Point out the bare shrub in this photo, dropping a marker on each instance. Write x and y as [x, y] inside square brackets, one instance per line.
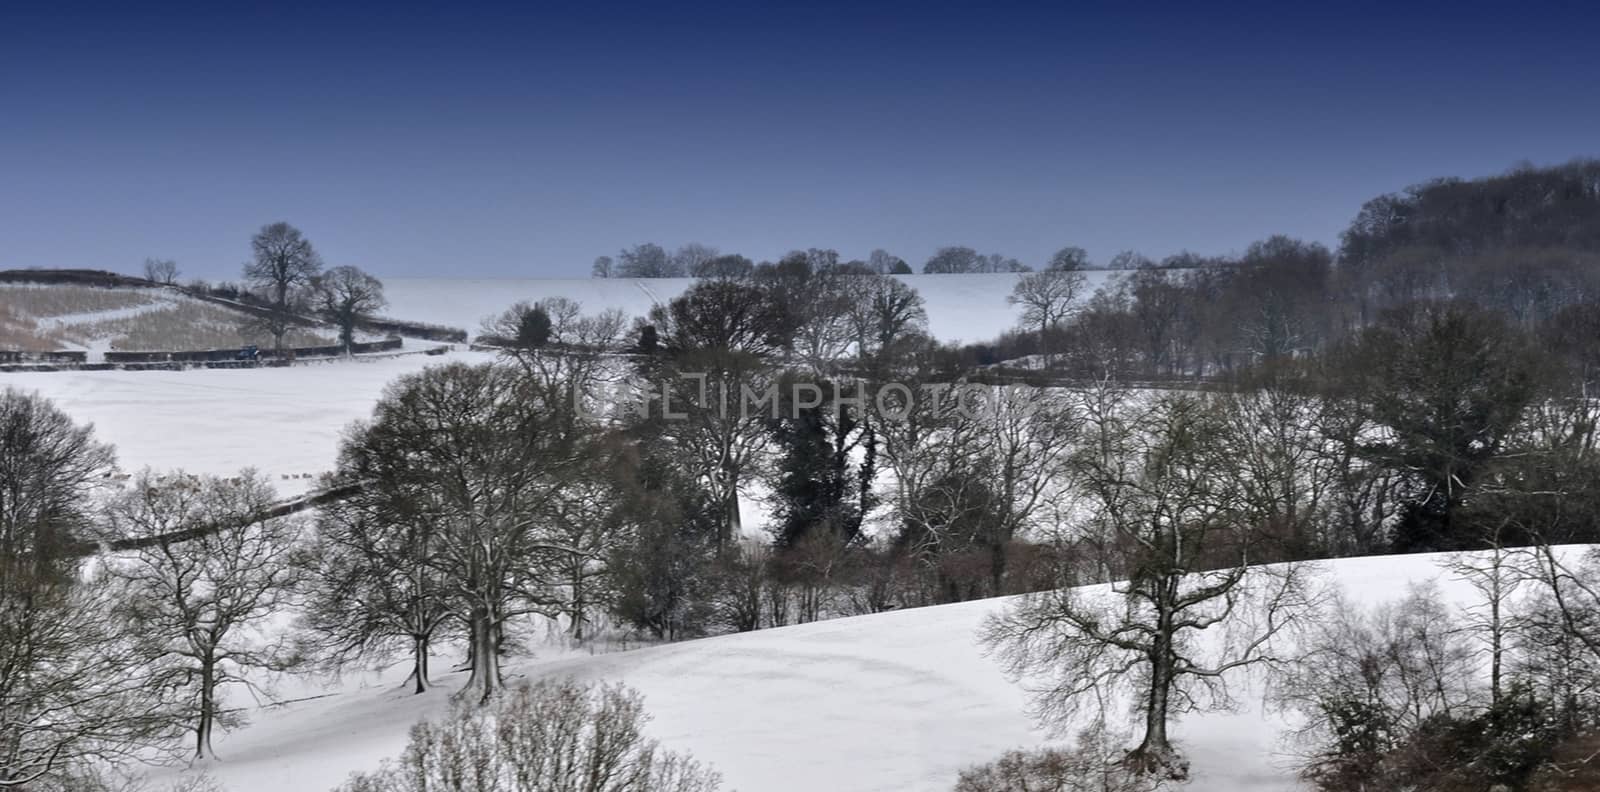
[1093, 765]
[1369, 680]
[553, 736]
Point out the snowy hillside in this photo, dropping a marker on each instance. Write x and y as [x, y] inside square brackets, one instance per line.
[961, 308]
[285, 422]
[35, 317]
[893, 702]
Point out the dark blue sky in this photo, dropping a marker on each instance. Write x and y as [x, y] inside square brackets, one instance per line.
[526, 140]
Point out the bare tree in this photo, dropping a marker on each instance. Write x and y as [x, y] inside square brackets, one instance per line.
[283, 263]
[75, 690]
[720, 338]
[1284, 468]
[1497, 577]
[648, 260]
[1047, 299]
[996, 262]
[883, 262]
[556, 341]
[693, 257]
[71, 689]
[164, 271]
[815, 293]
[731, 266]
[373, 586]
[1166, 512]
[953, 260]
[584, 519]
[1365, 680]
[884, 313]
[603, 267]
[482, 453]
[196, 602]
[348, 296]
[1068, 258]
[1031, 432]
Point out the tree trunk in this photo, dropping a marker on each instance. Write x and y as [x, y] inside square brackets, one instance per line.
[731, 526]
[997, 566]
[578, 604]
[208, 691]
[1155, 754]
[485, 655]
[419, 666]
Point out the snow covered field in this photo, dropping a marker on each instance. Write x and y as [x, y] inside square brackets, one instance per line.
[281, 421]
[893, 702]
[961, 308]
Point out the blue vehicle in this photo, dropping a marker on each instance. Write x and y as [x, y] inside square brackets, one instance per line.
[247, 353]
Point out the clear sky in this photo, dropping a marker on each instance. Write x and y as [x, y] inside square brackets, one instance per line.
[524, 140]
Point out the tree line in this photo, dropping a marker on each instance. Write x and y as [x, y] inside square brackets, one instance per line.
[695, 260]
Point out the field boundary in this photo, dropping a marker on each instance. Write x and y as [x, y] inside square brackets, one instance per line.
[185, 365]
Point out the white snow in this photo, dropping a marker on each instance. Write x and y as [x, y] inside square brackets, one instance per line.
[896, 701]
[961, 308]
[280, 421]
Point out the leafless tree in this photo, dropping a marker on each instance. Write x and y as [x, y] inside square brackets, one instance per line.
[282, 265]
[1069, 258]
[348, 296]
[1284, 466]
[373, 587]
[603, 267]
[884, 313]
[720, 338]
[1167, 513]
[1028, 435]
[1365, 680]
[1047, 299]
[955, 259]
[647, 261]
[585, 519]
[693, 257]
[556, 341]
[164, 271]
[75, 690]
[71, 689]
[814, 293]
[883, 262]
[1497, 576]
[483, 453]
[197, 602]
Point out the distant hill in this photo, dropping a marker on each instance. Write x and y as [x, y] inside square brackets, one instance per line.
[1530, 208]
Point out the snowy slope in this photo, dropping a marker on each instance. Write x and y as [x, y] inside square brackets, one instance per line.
[281, 421]
[896, 701]
[960, 307]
